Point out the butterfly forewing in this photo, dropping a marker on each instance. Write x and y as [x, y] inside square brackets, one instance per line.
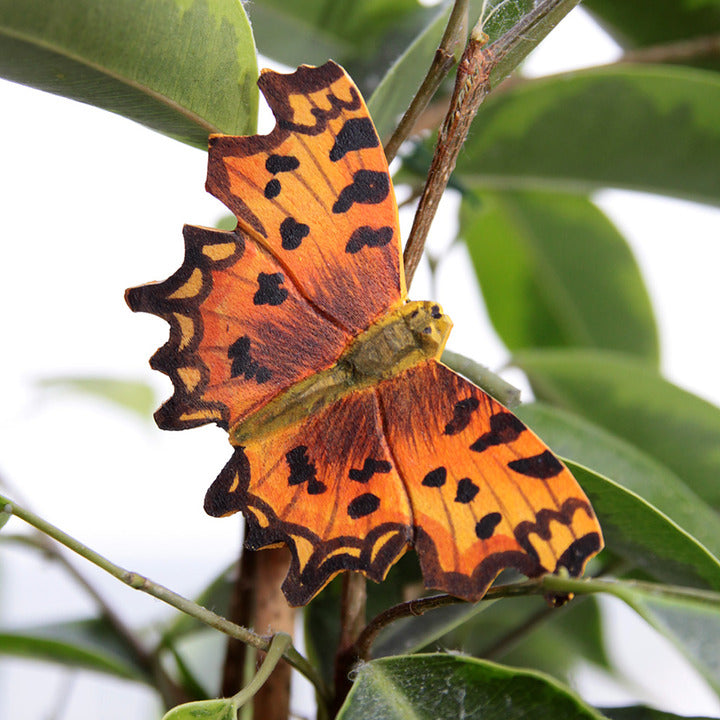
[317, 192]
[240, 330]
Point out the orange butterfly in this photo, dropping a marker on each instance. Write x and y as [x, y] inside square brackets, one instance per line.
[352, 441]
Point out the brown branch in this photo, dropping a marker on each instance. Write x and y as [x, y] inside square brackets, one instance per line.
[443, 60]
[352, 620]
[703, 46]
[472, 85]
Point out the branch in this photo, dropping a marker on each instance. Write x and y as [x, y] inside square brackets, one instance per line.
[140, 582]
[548, 585]
[703, 46]
[442, 62]
[472, 85]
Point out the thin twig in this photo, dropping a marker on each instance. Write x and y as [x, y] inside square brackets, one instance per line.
[140, 582]
[171, 692]
[444, 59]
[698, 47]
[549, 586]
[472, 85]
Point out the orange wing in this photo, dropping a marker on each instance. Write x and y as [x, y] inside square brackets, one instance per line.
[316, 192]
[328, 488]
[425, 458]
[485, 492]
[240, 331]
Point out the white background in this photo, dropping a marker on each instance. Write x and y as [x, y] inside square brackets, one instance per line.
[91, 204]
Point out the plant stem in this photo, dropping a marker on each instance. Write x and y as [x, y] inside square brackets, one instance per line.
[443, 60]
[139, 582]
[472, 85]
[697, 47]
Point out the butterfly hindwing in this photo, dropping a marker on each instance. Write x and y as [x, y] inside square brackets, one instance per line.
[240, 331]
[316, 191]
[328, 488]
[485, 492]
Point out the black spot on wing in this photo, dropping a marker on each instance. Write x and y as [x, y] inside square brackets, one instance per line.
[435, 478]
[302, 470]
[462, 412]
[281, 163]
[366, 236]
[269, 291]
[576, 555]
[243, 364]
[292, 233]
[369, 187]
[355, 134]
[504, 428]
[369, 468]
[363, 505]
[272, 189]
[485, 527]
[466, 491]
[542, 466]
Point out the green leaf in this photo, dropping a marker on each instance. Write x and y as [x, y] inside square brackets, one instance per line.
[186, 68]
[515, 44]
[691, 623]
[133, 395]
[392, 96]
[641, 534]
[643, 23]
[311, 31]
[527, 632]
[586, 444]
[642, 712]
[440, 687]
[630, 400]
[648, 128]
[412, 634]
[90, 644]
[5, 515]
[203, 710]
[555, 272]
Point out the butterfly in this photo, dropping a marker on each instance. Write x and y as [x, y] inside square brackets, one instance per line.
[352, 441]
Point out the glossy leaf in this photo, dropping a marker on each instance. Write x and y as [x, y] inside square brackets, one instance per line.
[586, 444]
[148, 60]
[88, 644]
[643, 23]
[647, 128]
[555, 272]
[392, 96]
[527, 632]
[133, 395]
[447, 687]
[219, 709]
[649, 539]
[312, 31]
[691, 623]
[630, 400]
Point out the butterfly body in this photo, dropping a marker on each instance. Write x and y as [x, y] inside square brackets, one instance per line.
[351, 440]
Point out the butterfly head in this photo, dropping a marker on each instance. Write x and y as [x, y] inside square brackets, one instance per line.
[429, 326]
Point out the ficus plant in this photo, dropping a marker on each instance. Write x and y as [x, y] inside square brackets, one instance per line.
[523, 157]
